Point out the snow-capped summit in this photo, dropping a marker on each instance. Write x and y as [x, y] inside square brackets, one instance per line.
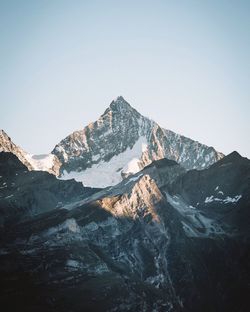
[122, 142]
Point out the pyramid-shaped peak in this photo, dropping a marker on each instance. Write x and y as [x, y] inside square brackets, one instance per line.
[119, 98]
[121, 107]
[233, 156]
[119, 104]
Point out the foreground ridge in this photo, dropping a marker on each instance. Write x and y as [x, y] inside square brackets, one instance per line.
[163, 239]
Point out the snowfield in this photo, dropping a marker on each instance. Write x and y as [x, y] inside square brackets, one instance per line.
[41, 162]
[109, 173]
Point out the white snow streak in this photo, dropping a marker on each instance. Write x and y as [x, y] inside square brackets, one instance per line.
[108, 173]
[227, 200]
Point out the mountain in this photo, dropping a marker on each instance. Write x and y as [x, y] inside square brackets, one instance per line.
[163, 239]
[25, 193]
[6, 145]
[168, 232]
[223, 191]
[48, 162]
[122, 142]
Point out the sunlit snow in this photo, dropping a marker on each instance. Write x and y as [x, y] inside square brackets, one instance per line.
[108, 173]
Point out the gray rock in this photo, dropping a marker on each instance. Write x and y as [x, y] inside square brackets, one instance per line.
[120, 130]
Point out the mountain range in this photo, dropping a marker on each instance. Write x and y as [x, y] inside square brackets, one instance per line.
[121, 142]
[160, 222]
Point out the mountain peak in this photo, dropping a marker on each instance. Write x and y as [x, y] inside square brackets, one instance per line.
[119, 104]
[5, 140]
[121, 142]
[7, 146]
[119, 98]
[234, 156]
[3, 133]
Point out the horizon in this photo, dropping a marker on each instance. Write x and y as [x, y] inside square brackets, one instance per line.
[114, 100]
[185, 66]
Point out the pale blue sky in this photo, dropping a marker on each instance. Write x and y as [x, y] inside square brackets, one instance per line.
[184, 64]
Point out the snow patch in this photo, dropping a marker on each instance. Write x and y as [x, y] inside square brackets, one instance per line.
[108, 173]
[96, 157]
[41, 162]
[195, 223]
[227, 200]
[73, 264]
[69, 225]
[9, 196]
[133, 179]
[232, 199]
[132, 167]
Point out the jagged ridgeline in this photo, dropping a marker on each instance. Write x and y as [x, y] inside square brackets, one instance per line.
[163, 239]
[122, 142]
[166, 230]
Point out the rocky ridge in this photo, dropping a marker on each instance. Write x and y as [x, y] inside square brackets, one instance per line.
[159, 240]
[25, 193]
[49, 163]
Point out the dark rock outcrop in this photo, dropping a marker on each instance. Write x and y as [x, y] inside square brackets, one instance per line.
[24, 193]
[142, 245]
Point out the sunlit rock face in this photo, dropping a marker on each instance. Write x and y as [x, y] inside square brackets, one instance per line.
[122, 142]
[6, 145]
[140, 201]
[143, 245]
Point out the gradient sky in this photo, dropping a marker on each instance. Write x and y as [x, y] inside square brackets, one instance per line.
[184, 64]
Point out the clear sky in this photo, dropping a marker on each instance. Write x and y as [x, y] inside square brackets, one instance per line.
[185, 64]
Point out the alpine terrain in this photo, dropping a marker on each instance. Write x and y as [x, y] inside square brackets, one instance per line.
[46, 162]
[160, 222]
[122, 142]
